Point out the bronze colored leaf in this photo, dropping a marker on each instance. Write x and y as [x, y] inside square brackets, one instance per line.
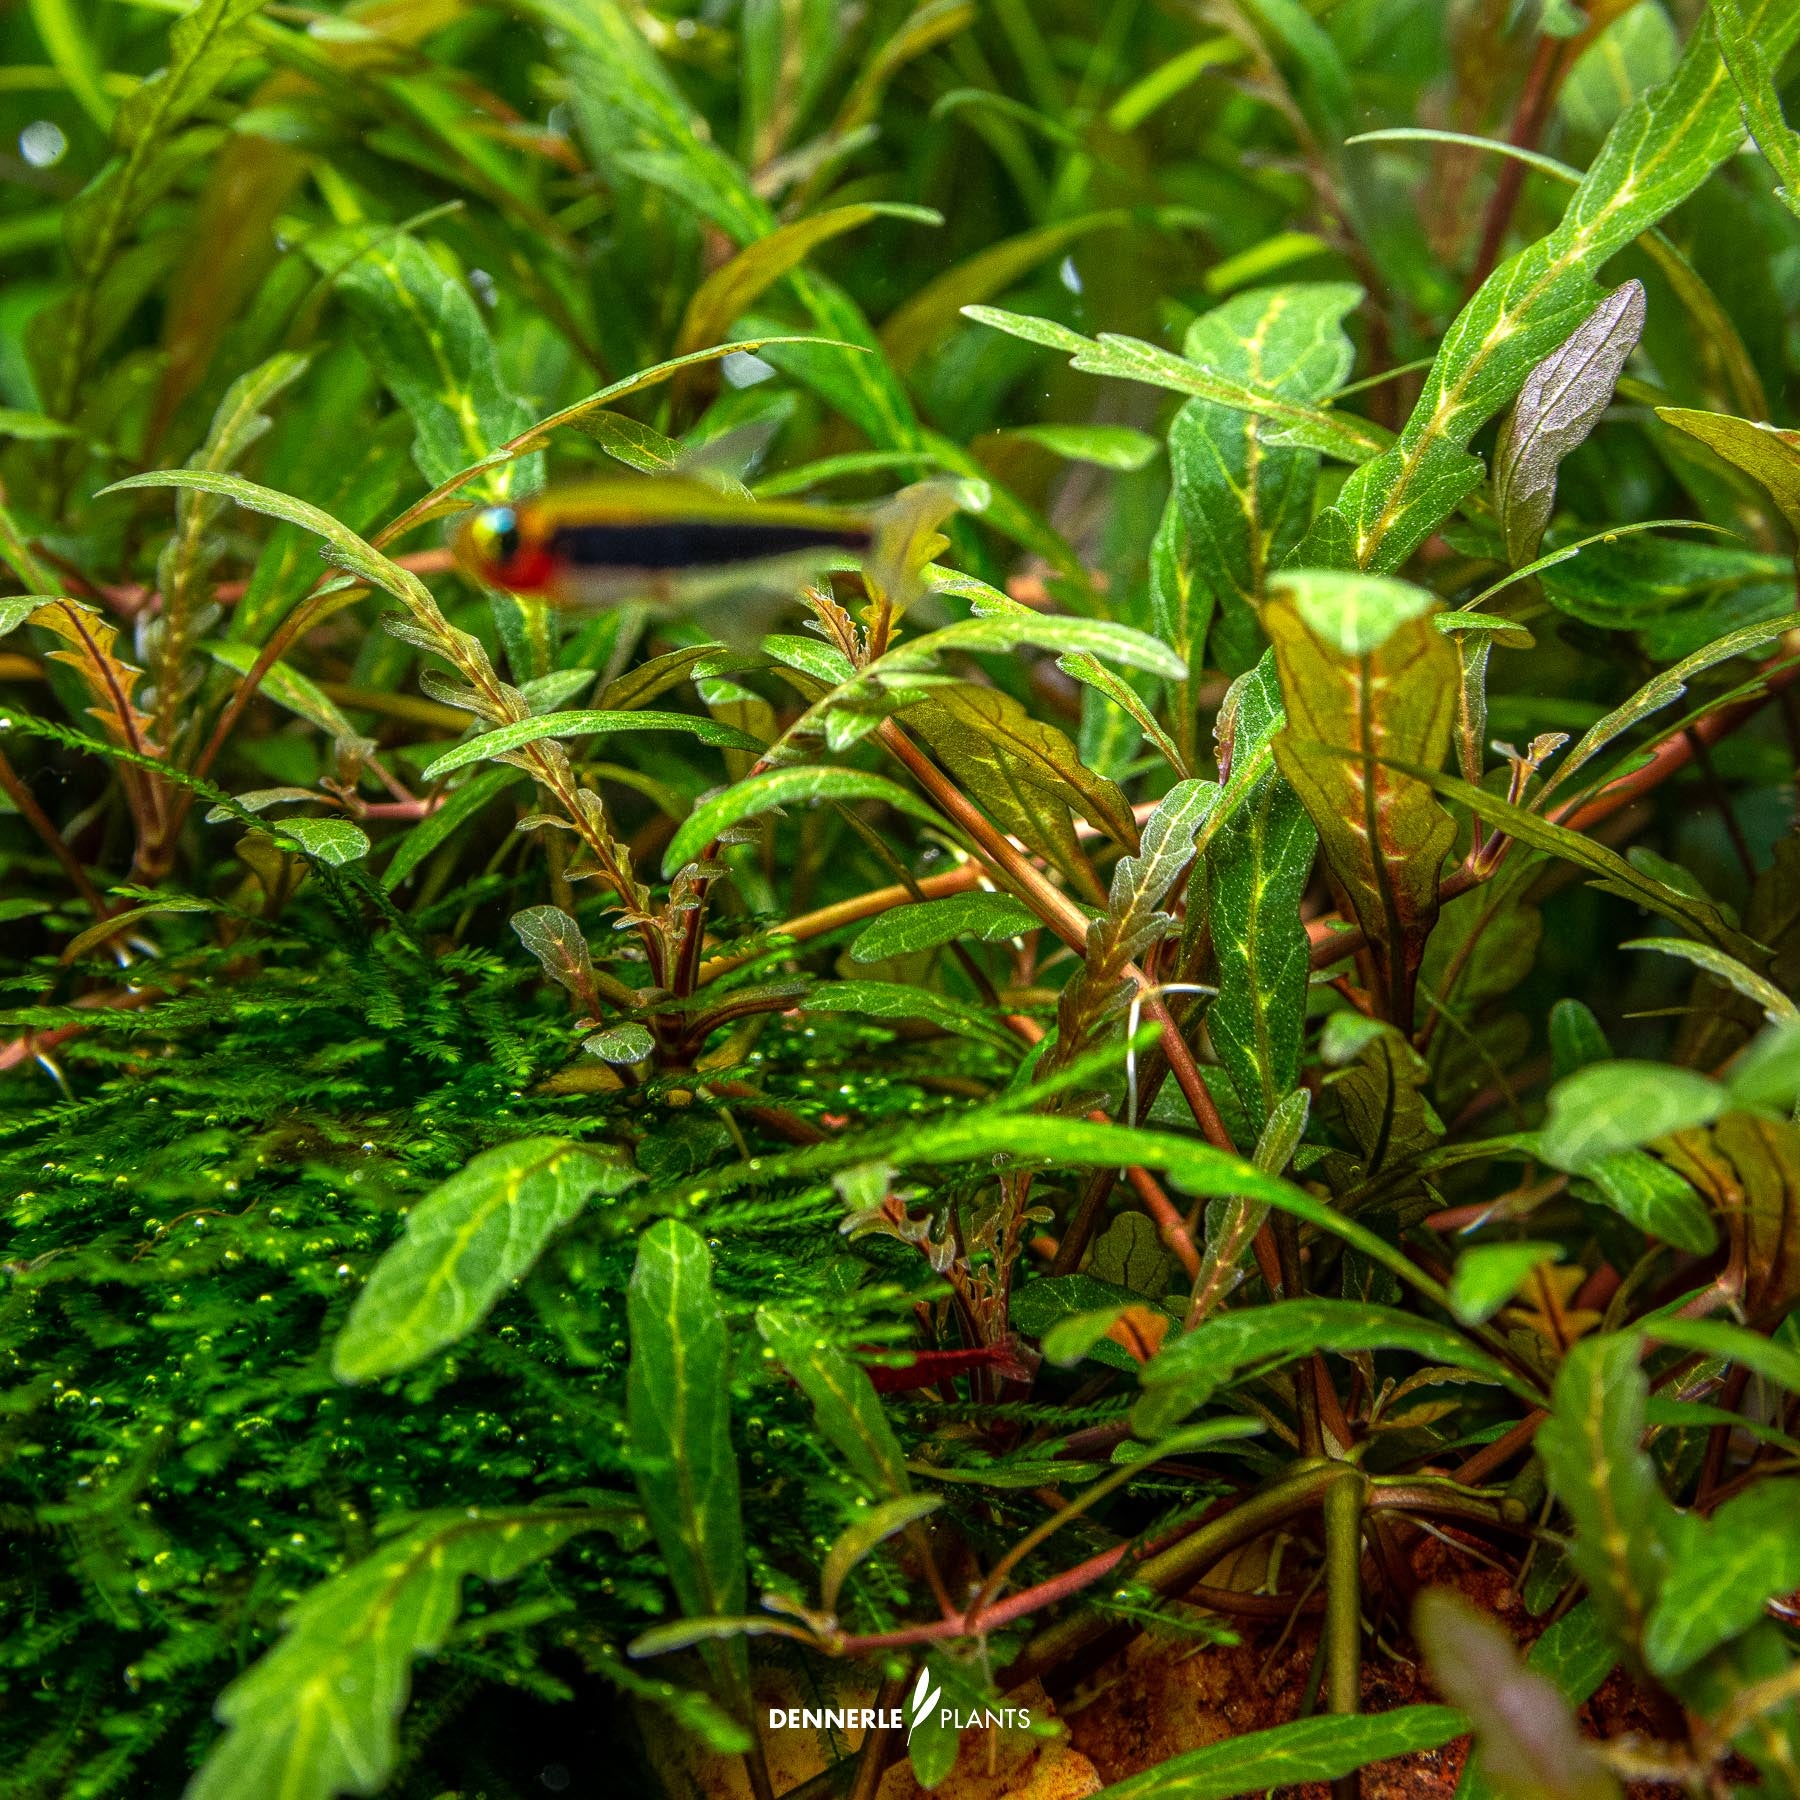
[1368, 680]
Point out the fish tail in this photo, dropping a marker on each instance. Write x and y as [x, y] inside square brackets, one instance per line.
[905, 535]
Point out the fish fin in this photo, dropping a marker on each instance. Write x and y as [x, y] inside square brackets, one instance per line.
[906, 535]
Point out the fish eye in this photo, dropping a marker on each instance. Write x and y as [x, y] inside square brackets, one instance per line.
[496, 534]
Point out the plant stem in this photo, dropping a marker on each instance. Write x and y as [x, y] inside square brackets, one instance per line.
[1343, 1509]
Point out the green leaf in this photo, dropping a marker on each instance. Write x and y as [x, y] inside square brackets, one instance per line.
[440, 826]
[1663, 146]
[1525, 1730]
[1241, 494]
[464, 1245]
[331, 841]
[865, 1533]
[496, 744]
[846, 1406]
[1651, 1195]
[1131, 359]
[1767, 1076]
[1576, 1038]
[1734, 1343]
[286, 686]
[926, 924]
[1002, 628]
[1591, 1447]
[678, 1404]
[1753, 70]
[1369, 682]
[425, 337]
[1045, 1307]
[1120, 447]
[1025, 774]
[319, 1714]
[1316, 1749]
[1488, 1276]
[900, 1000]
[559, 946]
[1142, 882]
[1559, 405]
[1725, 1567]
[1613, 1106]
[1257, 866]
[735, 286]
[1766, 453]
[627, 1043]
[1190, 1369]
[759, 794]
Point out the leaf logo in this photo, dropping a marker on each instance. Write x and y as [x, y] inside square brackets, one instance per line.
[924, 1698]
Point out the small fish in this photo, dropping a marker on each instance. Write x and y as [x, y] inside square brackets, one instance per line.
[662, 538]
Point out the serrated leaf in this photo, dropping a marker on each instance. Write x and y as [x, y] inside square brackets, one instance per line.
[1612, 1106]
[846, 1407]
[559, 946]
[762, 793]
[1559, 405]
[1658, 152]
[318, 1715]
[926, 924]
[1142, 882]
[1367, 681]
[534, 730]
[464, 1245]
[1591, 1446]
[1317, 1749]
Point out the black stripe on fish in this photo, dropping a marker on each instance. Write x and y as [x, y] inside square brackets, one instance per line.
[693, 543]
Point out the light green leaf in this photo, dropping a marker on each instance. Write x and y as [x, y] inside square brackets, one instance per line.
[319, 1714]
[846, 1406]
[1316, 1749]
[1735, 1343]
[1766, 453]
[464, 1245]
[627, 1043]
[1592, 1452]
[1767, 1076]
[1488, 1276]
[286, 686]
[1777, 1008]
[1119, 447]
[1724, 1569]
[1753, 69]
[900, 1000]
[926, 924]
[1613, 1106]
[866, 1531]
[759, 794]
[1142, 882]
[332, 841]
[496, 744]
[1663, 146]
[1008, 627]
[1651, 1195]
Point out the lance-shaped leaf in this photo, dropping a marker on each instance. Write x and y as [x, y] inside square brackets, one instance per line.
[1025, 774]
[1766, 453]
[865, 1533]
[560, 948]
[1368, 681]
[845, 1404]
[678, 1405]
[1257, 866]
[1141, 883]
[501, 744]
[1560, 403]
[465, 1244]
[1531, 1748]
[319, 1715]
[1307, 1750]
[988, 918]
[1753, 69]
[1240, 499]
[1658, 152]
[902, 1000]
[1723, 1570]
[1592, 1450]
